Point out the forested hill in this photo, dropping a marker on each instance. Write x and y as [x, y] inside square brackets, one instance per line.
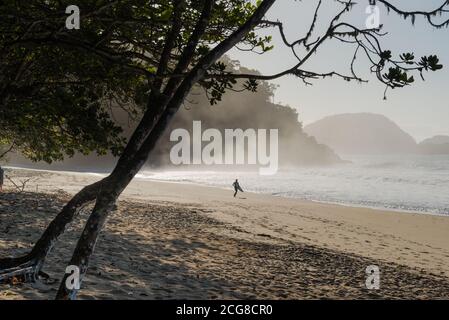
[251, 110]
[236, 110]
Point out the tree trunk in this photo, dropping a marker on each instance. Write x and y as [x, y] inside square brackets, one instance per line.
[118, 181]
[87, 242]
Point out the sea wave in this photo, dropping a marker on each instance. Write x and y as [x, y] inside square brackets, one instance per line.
[415, 184]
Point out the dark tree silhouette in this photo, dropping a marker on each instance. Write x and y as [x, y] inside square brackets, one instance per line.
[157, 50]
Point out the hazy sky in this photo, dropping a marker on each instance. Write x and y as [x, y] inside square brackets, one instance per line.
[421, 109]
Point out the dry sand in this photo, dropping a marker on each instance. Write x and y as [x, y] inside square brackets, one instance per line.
[180, 241]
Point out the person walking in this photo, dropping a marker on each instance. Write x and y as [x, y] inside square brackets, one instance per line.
[237, 187]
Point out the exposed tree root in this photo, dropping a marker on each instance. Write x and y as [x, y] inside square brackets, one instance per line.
[25, 273]
[29, 266]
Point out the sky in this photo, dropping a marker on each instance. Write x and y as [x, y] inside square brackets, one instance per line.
[422, 109]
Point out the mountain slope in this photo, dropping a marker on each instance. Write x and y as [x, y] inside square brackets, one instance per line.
[436, 140]
[362, 133]
[435, 145]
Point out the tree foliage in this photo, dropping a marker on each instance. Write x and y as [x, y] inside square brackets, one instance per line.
[59, 87]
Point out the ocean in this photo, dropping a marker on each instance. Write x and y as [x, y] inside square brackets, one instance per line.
[404, 183]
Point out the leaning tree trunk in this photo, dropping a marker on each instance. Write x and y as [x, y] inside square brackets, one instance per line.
[87, 241]
[118, 181]
[126, 169]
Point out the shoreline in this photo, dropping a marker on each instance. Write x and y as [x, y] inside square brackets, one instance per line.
[198, 184]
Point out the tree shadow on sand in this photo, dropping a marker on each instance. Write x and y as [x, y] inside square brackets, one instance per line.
[150, 251]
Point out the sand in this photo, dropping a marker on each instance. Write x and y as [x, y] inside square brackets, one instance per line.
[182, 241]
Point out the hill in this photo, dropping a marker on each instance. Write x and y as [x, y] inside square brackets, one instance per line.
[435, 145]
[362, 133]
[436, 140]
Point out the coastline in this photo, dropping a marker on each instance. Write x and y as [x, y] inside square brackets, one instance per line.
[416, 243]
[277, 195]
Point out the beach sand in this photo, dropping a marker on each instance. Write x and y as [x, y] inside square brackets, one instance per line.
[182, 241]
